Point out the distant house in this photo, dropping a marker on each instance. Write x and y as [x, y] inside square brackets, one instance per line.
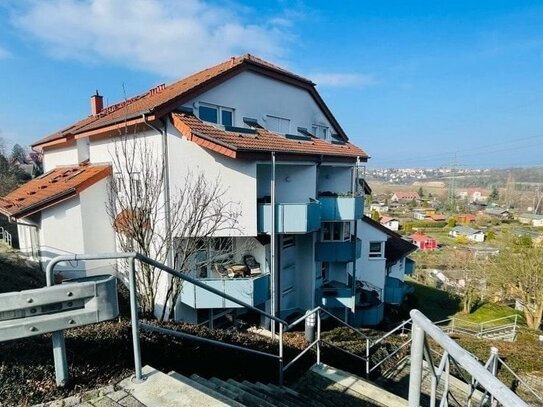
[531, 219]
[390, 222]
[474, 195]
[423, 242]
[482, 251]
[500, 213]
[536, 237]
[405, 196]
[379, 207]
[438, 217]
[423, 213]
[466, 218]
[474, 235]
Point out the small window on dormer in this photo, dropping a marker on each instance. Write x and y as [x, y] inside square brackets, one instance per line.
[277, 124]
[320, 131]
[216, 114]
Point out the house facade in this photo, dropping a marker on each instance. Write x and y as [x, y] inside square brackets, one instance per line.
[531, 219]
[423, 241]
[282, 161]
[474, 235]
[405, 197]
[390, 222]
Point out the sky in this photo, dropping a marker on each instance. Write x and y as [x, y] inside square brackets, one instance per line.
[414, 83]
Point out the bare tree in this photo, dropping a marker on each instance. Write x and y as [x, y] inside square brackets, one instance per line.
[199, 211]
[518, 272]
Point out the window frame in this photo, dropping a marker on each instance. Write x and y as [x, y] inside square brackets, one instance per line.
[336, 229]
[324, 129]
[220, 109]
[372, 254]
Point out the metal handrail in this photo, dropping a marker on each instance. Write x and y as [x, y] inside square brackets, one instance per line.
[422, 327]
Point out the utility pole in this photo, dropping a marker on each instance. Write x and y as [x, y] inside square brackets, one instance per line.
[452, 185]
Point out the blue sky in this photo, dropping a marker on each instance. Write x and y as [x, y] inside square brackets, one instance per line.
[412, 82]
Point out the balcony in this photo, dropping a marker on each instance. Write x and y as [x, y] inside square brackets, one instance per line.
[396, 290]
[336, 295]
[290, 217]
[368, 316]
[409, 266]
[251, 290]
[337, 208]
[338, 251]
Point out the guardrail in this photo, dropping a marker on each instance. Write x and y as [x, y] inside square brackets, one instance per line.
[486, 329]
[5, 236]
[420, 350]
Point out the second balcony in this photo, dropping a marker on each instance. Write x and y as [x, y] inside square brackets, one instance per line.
[290, 217]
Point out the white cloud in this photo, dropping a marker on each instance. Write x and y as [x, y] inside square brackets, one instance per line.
[168, 37]
[4, 53]
[343, 80]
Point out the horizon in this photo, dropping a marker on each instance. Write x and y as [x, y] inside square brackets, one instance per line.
[452, 84]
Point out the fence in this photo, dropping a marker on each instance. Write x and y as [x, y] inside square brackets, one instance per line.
[5, 237]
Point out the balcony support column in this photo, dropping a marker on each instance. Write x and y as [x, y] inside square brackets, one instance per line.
[272, 247]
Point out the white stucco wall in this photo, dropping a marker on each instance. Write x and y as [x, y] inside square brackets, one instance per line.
[255, 96]
[62, 233]
[294, 183]
[237, 178]
[55, 156]
[369, 269]
[98, 233]
[334, 179]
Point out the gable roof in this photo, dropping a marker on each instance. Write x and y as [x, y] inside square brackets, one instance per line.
[465, 230]
[52, 188]
[162, 99]
[395, 247]
[232, 143]
[406, 195]
[385, 219]
[420, 237]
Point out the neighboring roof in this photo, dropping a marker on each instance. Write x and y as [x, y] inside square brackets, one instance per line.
[467, 216]
[395, 247]
[386, 219]
[231, 142]
[532, 216]
[162, 99]
[420, 237]
[438, 217]
[465, 230]
[407, 195]
[51, 188]
[496, 211]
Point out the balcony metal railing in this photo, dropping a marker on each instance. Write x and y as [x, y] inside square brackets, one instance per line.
[5, 237]
[290, 217]
[345, 208]
[346, 251]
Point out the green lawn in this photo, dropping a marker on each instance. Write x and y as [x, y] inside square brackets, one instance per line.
[488, 311]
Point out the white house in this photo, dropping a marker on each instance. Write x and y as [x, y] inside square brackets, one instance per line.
[531, 219]
[472, 234]
[390, 222]
[270, 139]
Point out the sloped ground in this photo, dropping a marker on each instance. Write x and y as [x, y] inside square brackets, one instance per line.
[16, 273]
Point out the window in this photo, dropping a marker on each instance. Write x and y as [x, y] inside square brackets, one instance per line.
[320, 131]
[216, 114]
[278, 124]
[336, 231]
[376, 250]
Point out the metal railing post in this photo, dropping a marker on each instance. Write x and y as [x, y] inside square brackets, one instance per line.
[134, 321]
[415, 373]
[318, 337]
[367, 358]
[493, 369]
[281, 355]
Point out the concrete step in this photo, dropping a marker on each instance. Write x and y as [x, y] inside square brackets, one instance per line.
[262, 393]
[205, 389]
[336, 387]
[241, 395]
[228, 393]
[159, 389]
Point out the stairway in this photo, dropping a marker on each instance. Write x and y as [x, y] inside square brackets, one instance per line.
[321, 386]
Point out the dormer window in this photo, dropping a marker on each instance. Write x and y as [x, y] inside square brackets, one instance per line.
[216, 114]
[278, 124]
[320, 131]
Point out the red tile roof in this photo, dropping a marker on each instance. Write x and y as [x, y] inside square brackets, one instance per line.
[232, 143]
[420, 237]
[164, 98]
[51, 188]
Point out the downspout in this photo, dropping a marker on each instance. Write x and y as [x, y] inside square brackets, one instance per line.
[32, 225]
[166, 169]
[272, 246]
[353, 306]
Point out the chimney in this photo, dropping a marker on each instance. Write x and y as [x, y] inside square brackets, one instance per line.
[97, 104]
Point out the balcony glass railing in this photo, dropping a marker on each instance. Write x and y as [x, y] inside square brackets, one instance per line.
[338, 251]
[252, 290]
[290, 217]
[335, 208]
[396, 290]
